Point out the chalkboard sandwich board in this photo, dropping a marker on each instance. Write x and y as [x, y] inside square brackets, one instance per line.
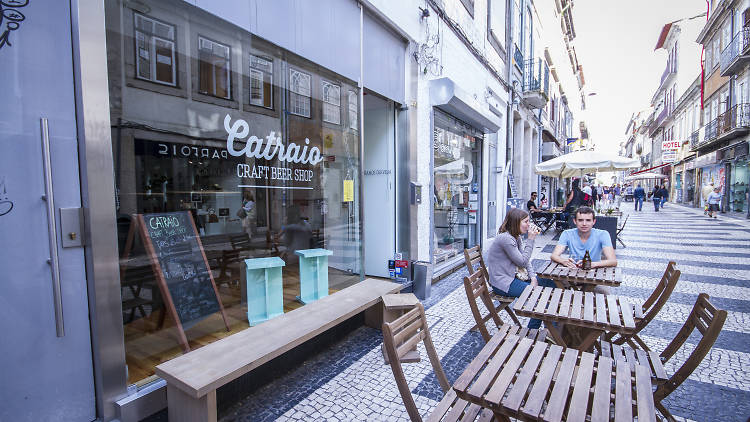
[182, 271]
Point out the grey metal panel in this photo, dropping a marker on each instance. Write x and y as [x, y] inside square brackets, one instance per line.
[445, 94]
[97, 194]
[323, 31]
[44, 377]
[384, 54]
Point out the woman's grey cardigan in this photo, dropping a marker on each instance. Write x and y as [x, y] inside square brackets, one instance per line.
[505, 254]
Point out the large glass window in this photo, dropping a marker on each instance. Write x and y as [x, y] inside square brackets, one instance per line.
[206, 182]
[456, 197]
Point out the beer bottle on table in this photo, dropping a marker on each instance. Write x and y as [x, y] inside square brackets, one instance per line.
[586, 261]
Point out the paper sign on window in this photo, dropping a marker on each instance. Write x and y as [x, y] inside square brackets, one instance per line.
[348, 190]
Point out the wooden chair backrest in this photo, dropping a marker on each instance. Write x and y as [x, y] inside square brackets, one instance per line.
[399, 337]
[622, 226]
[473, 258]
[476, 286]
[709, 321]
[659, 296]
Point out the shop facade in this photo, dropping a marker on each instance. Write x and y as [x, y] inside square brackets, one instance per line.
[735, 159]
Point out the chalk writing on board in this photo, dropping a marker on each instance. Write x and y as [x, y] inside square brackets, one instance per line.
[6, 205]
[10, 19]
[181, 261]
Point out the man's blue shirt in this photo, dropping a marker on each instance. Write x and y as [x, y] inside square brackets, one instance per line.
[598, 239]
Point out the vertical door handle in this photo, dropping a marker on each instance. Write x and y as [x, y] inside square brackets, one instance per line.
[54, 260]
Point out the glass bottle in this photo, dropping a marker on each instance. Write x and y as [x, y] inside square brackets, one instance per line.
[586, 261]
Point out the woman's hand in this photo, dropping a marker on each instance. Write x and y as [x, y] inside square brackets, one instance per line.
[533, 231]
[534, 282]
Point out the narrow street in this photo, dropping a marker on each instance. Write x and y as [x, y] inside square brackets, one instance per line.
[350, 381]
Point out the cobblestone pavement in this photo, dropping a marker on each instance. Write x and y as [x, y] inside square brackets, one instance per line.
[349, 381]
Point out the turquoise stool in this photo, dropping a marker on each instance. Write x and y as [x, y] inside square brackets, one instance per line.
[265, 298]
[313, 274]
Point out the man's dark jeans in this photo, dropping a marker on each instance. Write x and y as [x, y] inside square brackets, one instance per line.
[639, 204]
[657, 201]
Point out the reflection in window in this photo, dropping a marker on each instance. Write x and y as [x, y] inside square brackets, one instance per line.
[214, 62]
[261, 81]
[353, 120]
[299, 93]
[331, 103]
[155, 57]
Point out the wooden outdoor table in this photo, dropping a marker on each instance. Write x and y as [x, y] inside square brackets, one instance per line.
[579, 279]
[591, 313]
[531, 381]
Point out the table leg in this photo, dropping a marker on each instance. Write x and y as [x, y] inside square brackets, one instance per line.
[589, 340]
[556, 333]
[500, 417]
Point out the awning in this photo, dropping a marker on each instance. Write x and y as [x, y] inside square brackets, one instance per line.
[649, 169]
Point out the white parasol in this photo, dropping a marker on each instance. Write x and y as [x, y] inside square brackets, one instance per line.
[578, 163]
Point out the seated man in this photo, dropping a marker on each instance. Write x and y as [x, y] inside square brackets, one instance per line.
[531, 204]
[585, 238]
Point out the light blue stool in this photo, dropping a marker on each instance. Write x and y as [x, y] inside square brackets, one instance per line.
[265, 297]
[313, 274]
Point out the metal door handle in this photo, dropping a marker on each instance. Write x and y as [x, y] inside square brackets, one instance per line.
[54, 260]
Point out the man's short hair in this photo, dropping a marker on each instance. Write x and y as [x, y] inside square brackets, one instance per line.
[584, 210]
[533, 193]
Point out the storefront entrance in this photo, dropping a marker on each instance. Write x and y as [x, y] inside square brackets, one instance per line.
[379, 197]
[47, 371]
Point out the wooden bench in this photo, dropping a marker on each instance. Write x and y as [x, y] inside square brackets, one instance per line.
[192, 379]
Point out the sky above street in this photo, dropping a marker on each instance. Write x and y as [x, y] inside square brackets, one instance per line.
[615, 43]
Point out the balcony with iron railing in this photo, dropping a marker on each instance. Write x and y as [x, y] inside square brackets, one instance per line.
[694, 139]
[730, 124]
[734, 57]
[535, 82]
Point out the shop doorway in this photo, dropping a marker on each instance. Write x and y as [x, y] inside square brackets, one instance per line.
[47, 367]
[379, 199]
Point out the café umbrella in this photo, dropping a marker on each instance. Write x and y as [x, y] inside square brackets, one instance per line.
[578, 163]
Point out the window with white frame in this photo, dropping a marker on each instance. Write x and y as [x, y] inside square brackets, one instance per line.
[299, 93]
[154, 50]
[497, 21]
[353, 111]
[517, 22]
[716, 53]
[261, 81]
[331, 102]
[214, 63]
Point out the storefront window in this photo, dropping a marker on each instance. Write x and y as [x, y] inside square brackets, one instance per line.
[738, 187]
[456, 175]
[219, 161]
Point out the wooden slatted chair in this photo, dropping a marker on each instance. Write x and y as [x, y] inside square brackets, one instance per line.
[403, 334]
[474, 260]
[620, 228]
[707, 319]
[399, 337]
[477, 288]
[645, 313]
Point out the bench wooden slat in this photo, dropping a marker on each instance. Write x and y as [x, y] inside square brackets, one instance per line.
[522, 382]
[508, 373]
[575, 307]
[533, 405]
[600, 405]
[644, 396]
[559, 395]
[554, 301]
[623, 400]
[531, 302]
[601, 310]
[656, 366]
[588, 307]
[580, 398]
[564, 310]
[498, 360]
[465, 379]
[205, 369]
[523, 298]
[614, 310]
[627, 312]
[541, 303]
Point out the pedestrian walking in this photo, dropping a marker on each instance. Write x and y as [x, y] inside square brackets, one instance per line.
[713, 201]
[594, 195]
[618, 196]
[664, 195]
[638, 195]
[656, 197]
[705, 191]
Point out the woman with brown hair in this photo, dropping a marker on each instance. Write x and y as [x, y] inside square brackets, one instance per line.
[509, 258]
